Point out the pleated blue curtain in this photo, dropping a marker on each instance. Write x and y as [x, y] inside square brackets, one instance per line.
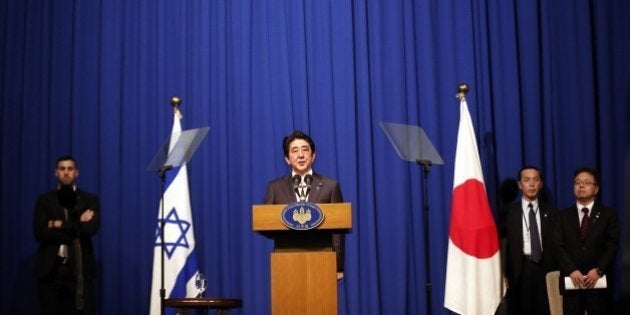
[548, 86]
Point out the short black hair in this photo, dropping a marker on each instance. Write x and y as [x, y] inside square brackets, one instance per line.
[529, 167]
[66, 157]
[296, 134]
[590, 170]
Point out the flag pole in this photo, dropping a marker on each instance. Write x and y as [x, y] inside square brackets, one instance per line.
[162, 174]
[473, 269]
[176, 101]
[462, 89]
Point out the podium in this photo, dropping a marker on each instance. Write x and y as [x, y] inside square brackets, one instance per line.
[303, 263]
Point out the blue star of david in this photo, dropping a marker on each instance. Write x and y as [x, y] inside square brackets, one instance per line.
[183, 226]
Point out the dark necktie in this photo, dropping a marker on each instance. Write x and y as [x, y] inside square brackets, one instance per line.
[585, 222]
[534, 236]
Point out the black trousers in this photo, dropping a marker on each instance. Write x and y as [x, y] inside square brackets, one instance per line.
[529, 294]
[593, 301]
[57, 292]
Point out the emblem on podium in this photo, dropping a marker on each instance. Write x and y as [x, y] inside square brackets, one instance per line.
[302, 216]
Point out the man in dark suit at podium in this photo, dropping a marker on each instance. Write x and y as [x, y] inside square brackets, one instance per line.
[64, 222]
[303, 184]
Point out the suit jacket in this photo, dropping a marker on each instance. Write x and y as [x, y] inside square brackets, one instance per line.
[514, 232]
[48, 208]
[324, 190]
[597, 250]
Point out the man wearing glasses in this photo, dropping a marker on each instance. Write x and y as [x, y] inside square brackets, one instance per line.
[587, 238]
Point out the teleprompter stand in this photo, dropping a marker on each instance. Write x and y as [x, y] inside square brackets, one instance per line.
[412, 144]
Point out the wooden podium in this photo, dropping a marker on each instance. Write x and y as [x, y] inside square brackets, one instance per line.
[303, 263]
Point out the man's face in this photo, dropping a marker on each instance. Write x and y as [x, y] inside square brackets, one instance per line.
[530, 183]
[66, 172]
[585, 187]
[301, 157]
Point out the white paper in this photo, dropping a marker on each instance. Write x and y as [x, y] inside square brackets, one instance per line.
[600, 284]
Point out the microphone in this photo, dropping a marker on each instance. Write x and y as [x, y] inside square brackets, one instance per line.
[308, 179]
[296, 184]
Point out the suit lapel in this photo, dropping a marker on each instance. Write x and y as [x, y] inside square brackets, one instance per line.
[80, 202]
[518, 223]
[57, 208]
[544, 221]
[316, 186]
[595, 214]
[287, 189]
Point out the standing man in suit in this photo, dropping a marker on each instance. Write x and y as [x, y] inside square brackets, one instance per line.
[587, 238]
[530, 252]
[64, 222]
[299, 154]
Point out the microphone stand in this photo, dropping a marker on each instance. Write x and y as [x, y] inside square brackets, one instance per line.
[426, 167]
[162, 174]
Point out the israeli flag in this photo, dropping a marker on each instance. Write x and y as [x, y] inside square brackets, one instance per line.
[180, 260]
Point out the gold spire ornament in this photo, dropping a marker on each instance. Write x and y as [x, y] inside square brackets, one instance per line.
[462, 90]
[176, 102]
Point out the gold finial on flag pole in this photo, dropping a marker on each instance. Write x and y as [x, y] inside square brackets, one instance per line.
[176, 102]
[462, 89]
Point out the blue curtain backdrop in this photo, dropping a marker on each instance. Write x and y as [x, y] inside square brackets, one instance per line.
[549, 85]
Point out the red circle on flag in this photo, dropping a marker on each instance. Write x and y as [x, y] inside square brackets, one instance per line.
[472, 226]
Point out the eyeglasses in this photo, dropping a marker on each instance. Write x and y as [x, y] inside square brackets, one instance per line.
[585, 183]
